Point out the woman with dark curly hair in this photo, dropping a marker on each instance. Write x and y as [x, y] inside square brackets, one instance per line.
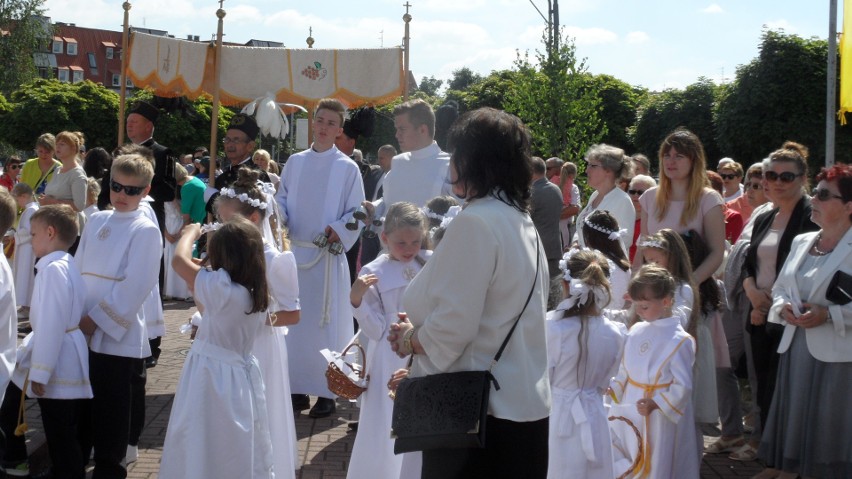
[463, 303]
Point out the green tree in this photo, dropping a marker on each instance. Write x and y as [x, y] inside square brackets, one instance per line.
[463, 78]
[29, 32]
[779, 96]
[663, 112]
[488, 91]
[187, 126]
[52, 106]
[554, 101]
[619, 101]
[430, 85]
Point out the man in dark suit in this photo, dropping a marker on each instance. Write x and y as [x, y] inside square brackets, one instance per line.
[545, 208]
[140, 130]
[239, 145]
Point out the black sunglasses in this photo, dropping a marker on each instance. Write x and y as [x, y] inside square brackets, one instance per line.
[754, 186]
[823, 194]
[128, 190]
[785, 177]
[728, 177]
[635, 192]
[15, 166]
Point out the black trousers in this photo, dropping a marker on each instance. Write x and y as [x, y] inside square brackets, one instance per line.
[137, 406]
[60, 421]
[13, 449]
[764, 346]
[512, 450]
[107, 427]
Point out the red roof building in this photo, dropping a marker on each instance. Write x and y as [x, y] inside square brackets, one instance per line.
[78, 53]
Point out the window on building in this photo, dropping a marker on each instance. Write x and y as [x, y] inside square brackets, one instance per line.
[129, 83]
[109, 53]
[93, 63]
[116, 80]
[77, 76]
[58, 46]
[71, 49]
[44, 72]
[63, 75]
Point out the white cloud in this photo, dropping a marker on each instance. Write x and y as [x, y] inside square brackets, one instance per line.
[591, 36]
[780, 24]
[713, 8]
[637, 37]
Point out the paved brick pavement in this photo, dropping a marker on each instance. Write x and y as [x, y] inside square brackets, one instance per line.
[324, 444]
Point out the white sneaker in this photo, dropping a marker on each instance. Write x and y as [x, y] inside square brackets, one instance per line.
[132, 454]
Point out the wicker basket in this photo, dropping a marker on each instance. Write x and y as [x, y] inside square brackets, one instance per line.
[641, 450]
[339, 382]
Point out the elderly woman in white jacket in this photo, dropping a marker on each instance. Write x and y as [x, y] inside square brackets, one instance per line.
[463, 303]
[807, 431]
[605, 166]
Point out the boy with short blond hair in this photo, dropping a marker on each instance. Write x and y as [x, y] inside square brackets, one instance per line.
[24, 260]
[53, 361]
[114, 257]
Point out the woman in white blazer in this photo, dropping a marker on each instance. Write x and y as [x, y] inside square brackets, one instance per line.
[807, 431]
[463, 303]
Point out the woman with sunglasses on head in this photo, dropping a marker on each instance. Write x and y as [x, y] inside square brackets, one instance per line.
[807, 429]
[69, 184]
[785, 178]
[11, 170]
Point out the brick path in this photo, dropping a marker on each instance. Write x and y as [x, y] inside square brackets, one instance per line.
[324, 444]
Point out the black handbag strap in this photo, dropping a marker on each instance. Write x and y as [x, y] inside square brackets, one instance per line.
[529, 296]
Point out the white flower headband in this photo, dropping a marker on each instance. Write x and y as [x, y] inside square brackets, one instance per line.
[431, 214]
[613, 234]
[650, 243]
[267, 188]
[450, 215]
[578, 291]
[210, 227]
[244, 198]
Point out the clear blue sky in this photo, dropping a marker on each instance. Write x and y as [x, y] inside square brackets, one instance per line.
[654, 43]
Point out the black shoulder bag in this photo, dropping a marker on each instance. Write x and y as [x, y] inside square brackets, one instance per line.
[447, 410]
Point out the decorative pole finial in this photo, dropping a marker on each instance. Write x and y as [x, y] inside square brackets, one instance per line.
[310, 39]
[407, 17]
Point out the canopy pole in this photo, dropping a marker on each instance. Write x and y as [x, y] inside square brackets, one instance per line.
[406, 41]
[831, 85]
[123, 88]
[214, 117]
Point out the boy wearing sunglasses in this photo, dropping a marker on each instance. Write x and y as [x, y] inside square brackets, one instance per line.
[11, 171]
[117, 258]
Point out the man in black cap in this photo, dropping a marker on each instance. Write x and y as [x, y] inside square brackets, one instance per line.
[239, 145]
[140, 130]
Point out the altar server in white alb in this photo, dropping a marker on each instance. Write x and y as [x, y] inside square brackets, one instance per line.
[53, 360]
[24, 260]
[246, 198]
[421, 171]
[114, 257]
[218, 425]
[583, 350]
[376, 301]
[320, 189]
[653, 388]
[8, 312]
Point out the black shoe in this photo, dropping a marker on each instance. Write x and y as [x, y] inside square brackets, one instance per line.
[300, 402]
[353, 426]
[324, 407]
[43, 474]
[150, 362]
